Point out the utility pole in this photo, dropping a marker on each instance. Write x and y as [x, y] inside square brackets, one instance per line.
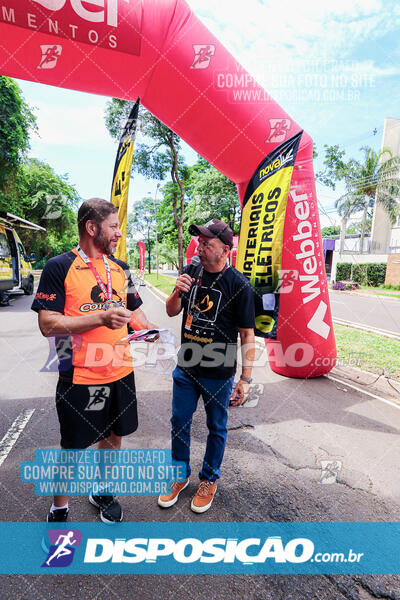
[155, 213]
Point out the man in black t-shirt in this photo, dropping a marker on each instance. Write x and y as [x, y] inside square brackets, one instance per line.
[217, 303]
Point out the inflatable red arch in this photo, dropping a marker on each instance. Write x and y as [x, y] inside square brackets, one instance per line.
[160, 51]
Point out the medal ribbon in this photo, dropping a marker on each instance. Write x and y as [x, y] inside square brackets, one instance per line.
[107, 292]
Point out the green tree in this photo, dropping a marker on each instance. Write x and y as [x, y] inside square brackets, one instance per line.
[133, 254]
[212, 196]
[374, 179]
[16, 122]
[345, 207]
[39, 195]
[330, 230]
[168, 233]
[358, 225]
[336, 168]
[159, 157]
[377, 181]
[168, 254]
[142, 221]
[209, 194]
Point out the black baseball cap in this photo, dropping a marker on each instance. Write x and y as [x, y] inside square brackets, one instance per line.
[214, 229]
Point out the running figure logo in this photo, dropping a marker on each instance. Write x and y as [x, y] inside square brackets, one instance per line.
[279, 128]
[60, 352]
[287, 279]
[50, 56]
[62, 547]
[330, 470]
[202, 55]
[98, 397]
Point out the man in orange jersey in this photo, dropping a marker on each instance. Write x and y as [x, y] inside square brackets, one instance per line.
[86, 299]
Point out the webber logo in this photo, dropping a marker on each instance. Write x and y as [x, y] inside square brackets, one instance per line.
[109, 14]
[306, 238]
[191, 550]
[113, 24]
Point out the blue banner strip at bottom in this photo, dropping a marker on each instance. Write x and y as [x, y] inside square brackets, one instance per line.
[191, 548]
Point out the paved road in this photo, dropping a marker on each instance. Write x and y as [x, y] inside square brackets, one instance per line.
[271, 471]
[373, 311]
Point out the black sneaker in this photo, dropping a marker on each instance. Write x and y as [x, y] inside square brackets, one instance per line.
[110, 508]
[59, 515]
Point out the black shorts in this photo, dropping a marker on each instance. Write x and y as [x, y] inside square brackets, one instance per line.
[89, 413]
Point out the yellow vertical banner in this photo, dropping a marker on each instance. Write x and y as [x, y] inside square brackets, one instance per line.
[121, 177]
[259, 254]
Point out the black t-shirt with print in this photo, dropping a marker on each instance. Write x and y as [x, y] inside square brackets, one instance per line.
[209, 347]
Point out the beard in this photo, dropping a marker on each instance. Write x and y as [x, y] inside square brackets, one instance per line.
[102, 243]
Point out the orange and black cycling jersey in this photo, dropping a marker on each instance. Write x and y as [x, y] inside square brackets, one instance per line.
[67, 286]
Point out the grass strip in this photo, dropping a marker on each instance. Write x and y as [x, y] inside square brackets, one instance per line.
[163, 282]
[355, 348]
[381, 291]
[391, 295]
[367, 351]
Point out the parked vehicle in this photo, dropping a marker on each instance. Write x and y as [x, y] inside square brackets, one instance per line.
[15, 266]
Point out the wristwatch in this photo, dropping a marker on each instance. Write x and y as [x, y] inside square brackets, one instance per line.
[246, 379]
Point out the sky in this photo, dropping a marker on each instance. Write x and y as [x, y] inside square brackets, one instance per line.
[334, 67]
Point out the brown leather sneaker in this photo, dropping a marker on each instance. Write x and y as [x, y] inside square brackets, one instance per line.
[177, 487]
[204, 496]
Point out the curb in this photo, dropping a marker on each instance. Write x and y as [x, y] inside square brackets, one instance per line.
[367, 382]
[384, 332]
[344, 373]
[156, 291]
[363, 294]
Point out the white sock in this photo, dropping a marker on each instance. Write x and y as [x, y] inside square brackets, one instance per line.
[53, 507]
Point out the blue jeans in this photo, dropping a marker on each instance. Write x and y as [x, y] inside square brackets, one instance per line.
[216, 394]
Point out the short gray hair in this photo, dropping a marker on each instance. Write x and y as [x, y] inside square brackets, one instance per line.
[94, 209]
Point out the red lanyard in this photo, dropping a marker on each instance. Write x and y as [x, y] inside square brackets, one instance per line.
[107, 292]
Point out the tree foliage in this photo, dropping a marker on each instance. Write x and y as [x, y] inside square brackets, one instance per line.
[212, 196]
[192, 194]
[330, 230]
[16, 122]
[39, 195]
[30, 188]
[142, 223]
[356, 227]
[208, 195]
[157, 158]
[373, 179]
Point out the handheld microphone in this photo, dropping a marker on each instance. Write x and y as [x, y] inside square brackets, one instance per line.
[194, 263]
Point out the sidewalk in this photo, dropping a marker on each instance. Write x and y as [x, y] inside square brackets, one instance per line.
[365, 381]
[362, 327]
[369, 294]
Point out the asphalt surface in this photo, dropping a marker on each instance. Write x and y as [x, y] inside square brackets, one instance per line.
[271, 470]
[371, 311]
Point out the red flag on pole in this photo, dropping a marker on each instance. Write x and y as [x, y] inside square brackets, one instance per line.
[142, 257]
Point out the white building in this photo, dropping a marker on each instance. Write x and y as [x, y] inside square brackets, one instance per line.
[385, 237]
